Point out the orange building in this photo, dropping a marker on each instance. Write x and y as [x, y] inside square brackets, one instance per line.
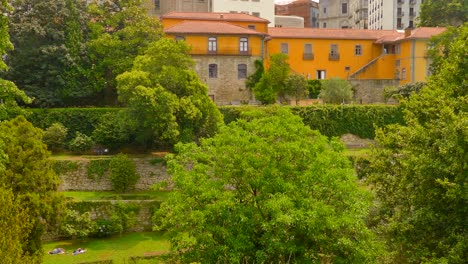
[226, 45]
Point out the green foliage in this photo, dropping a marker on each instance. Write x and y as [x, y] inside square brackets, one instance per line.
[419, 171]
[81, 143]
[113, 130]
[29, 175]
[123, 173]
[97, 168]
[15, 225]
[403, 91]
[273, 82]
[436, 13]
[268, 190]
[296, 87]
[54, 136]
[64, 166]
[167, 102]
[264, 92]
[84, 120]
[123, 217]
[336, 91]
[314, 87]
[255, 77]
[76, 225]
[439, 47]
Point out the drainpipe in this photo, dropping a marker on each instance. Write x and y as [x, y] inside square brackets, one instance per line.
[413, 57]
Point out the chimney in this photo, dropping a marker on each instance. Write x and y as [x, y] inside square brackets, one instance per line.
[221, 16]
[408, 32]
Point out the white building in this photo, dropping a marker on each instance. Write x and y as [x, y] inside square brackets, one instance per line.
[334, 14]
[259, 8]
[393, 14]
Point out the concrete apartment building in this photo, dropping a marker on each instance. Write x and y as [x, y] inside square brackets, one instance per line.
[259, 8]
[393, 14]
[306, 9]
[359, 14]
[334, 14]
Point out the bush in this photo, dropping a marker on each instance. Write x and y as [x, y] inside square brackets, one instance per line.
[123, 173]
[113, 130]
[336, 91]
[54, 136]
[314, 87]
[81, 143]
[76, 225]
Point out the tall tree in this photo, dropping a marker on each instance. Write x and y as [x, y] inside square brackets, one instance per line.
[266, 189]
[166, 100]
[29, 175]
[436, 13]
[336, 91]
[296, 87]
[9, 93]
[43, 50]
[419, 171]
[273, 81]
[120, 30]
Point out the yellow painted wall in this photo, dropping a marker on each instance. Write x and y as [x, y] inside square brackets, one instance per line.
[321, 50]
[260, 27]
[227, 44]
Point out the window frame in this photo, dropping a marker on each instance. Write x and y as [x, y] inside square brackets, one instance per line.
[241, 71]
[213, 71]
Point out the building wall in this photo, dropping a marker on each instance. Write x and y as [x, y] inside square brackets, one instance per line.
[413, 60]
[393, 14]
[306, 9]
[161, 7]
[260, 27]
[359, 13]
[289, 21]
[264, 8]
[332, 16]
[347, 64]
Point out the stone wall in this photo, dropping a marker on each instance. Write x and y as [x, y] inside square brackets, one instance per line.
[79, 180]
[371, 91]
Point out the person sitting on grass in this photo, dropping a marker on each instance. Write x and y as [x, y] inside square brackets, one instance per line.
[57, 251]
[79, 251]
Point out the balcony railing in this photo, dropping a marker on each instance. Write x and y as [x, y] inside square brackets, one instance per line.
[232, 51]
[307, 56]
[412, 2]
[412, 14]
[400, 14]
[334, 56]
[400, 2]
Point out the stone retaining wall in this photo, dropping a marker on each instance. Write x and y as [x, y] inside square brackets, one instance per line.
[79, 180]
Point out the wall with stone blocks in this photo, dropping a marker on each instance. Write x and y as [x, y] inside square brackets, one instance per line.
[79, 180]
[371, 91]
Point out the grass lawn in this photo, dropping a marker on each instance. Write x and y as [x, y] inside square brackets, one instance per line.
[356, 152]
[118, 248]
[88, 196]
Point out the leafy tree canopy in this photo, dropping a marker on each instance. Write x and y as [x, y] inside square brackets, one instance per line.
[336, 91]
[166, 99]
[436, 13]
[268, 190]
[31, 179]
[272, 84]
[419, 171]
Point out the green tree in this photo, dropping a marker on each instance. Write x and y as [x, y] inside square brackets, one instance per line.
[14, 226]
[436, 13]
[296, 87]
[403, 91]
[120, 30]
[123, 173]
[54, 136]
[9, 93]
[336, 91]
[29, 175]
[439, 47]
[419, 171]
[166, 100]
[255, 77]
[43, 54]
[314, 87]
[273, 81]
[268, 190]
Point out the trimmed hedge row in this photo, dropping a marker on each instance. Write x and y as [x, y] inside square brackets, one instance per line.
[330, 120]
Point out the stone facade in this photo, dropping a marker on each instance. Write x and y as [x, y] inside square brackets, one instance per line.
[371, 91]
[228, 84]
[78, 180]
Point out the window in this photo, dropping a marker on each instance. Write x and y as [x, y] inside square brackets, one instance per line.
[397, 63]
[411, 24]
[321, 74]
[324, 10]
[179, 38]
[358, 50]
[212, 45]
[213, 70]
[284, 48]
[251, 27]
[403, 74]
[308, 55]
[334, 55]
[244, 45]
[324, 25]
[344, 8]
[397, 49]
[242, 71]
[157, 4]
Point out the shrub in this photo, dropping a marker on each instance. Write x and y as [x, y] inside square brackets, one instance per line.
[123, 217]
[54, 136]
[336, 91]
[76, 225]
[80, 143]
[123, 173]
[97, 168]
[314, 87]
[113, 130]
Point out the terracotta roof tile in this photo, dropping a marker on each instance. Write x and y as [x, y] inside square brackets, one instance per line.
[200, 27]
[426, 32]
[325, 33]
[215, 16]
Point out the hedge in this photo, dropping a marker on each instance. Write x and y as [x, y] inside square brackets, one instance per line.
[330, 120]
